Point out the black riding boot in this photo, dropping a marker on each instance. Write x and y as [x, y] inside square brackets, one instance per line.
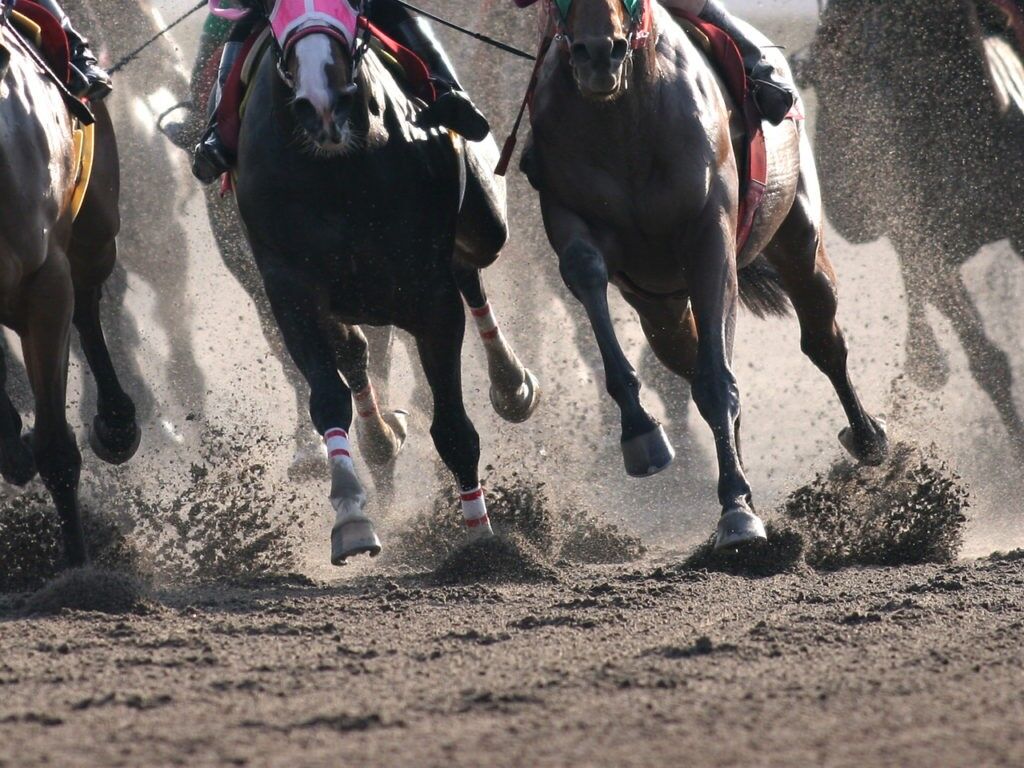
[88, 79]
[210, 158]
[453, 108]
[773, 94]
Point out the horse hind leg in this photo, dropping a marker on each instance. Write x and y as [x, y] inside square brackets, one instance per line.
[455, 438]
[515, 391]
[798, 254]
[381, 435]
[45, 344]
[989, 365]
[297, 309]
[16, 464]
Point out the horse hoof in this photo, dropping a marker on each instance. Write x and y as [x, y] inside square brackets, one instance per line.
[398, 420]
[870, 449]
[738, 527]
[17, 465]
[355, 536]
[114, 445]
[523, 402]
[480, 532]
[647, 454]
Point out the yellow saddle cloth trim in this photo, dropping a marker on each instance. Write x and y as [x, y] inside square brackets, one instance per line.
[85, 146]
[32, 31]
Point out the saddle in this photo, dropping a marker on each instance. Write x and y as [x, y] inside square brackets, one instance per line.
[408, 68]
[41, 30]
[725, 57]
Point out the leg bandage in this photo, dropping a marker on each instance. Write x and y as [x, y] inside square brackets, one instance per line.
[486, 323]
[474, 508]
[338, 447]
[366, 402]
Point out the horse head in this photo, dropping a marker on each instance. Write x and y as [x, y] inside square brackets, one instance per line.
[600, 36]
[317, 49]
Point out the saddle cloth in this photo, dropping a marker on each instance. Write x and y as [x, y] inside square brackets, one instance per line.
[726, 58]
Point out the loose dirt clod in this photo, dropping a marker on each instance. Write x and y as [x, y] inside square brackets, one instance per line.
[529, 526]
[909, 510]
[782, 552]
[90, 589]
[502, 558]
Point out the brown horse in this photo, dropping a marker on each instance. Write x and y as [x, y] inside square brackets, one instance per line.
[52, 267]
[637, 172]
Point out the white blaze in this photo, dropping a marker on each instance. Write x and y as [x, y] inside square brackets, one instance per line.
[313, 54]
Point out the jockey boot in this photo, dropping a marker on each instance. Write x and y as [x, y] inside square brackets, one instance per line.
[210, 158]
[773, 94]
[452, 108]
[88, 79]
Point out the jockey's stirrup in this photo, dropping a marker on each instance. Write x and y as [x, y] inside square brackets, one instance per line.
[88, 79]
[454, 109]
[773, 94]
[210, 157]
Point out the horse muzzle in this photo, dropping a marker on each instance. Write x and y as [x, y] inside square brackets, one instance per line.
[599, 66]
[325, 122]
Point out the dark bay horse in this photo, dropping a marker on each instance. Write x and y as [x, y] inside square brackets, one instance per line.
[637, 173]
[356, 216]
[919, 143]
[52, 268]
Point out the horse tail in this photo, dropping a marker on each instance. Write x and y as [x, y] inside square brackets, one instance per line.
[761, 289]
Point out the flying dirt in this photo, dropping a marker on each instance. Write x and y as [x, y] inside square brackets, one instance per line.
[879, 625]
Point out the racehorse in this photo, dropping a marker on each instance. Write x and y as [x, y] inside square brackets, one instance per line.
[52, 268]
[637, 174]
[356, 216]
[951, 150]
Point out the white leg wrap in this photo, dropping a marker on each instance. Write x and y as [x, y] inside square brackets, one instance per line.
[366, 402]
[486, 323]
[338, 447]
[474, 508]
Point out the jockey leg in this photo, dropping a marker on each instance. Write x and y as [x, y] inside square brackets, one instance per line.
[88, 79]
[210, 158]
[773, 94]
[453, 108]
[186, 133]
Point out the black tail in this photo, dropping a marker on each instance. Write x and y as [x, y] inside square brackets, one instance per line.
[761, 289]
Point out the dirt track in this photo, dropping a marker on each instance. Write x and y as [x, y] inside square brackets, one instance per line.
[648, 663]
[642, 665]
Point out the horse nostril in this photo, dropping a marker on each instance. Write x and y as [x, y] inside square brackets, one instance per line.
[580, 53]
[619, 49]
[305, 113]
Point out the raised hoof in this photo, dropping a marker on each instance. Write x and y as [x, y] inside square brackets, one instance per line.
[398, 420]
[739, 527]
[647, 454]
[872, 450]
[114, 446]
[522, 404]
[353, 537]
[18, 469]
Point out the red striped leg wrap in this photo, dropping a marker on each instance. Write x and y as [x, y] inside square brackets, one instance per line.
[338, 446]
[366, 402]
[474, 509]
[486, 322]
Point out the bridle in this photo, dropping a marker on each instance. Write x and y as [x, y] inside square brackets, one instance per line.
[345, 21]
[640, 15]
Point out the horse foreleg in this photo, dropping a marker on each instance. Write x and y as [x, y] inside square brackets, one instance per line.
[645, 447]
[515, 391]
[798, 253]
[16, 464]
[711, 274]
[45, 341]
[381, 436]
[989, 365]
[456, 439]
[115, 435]
[297, 306]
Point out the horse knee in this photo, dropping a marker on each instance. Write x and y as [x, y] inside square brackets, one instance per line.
[716, 394]
[826, 349]
[583, 268]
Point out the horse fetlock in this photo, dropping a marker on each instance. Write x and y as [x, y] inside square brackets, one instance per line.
[648, 453]
[868, 444]
[348, 496]
[738, 527]
[382, 436]
[16, 463]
